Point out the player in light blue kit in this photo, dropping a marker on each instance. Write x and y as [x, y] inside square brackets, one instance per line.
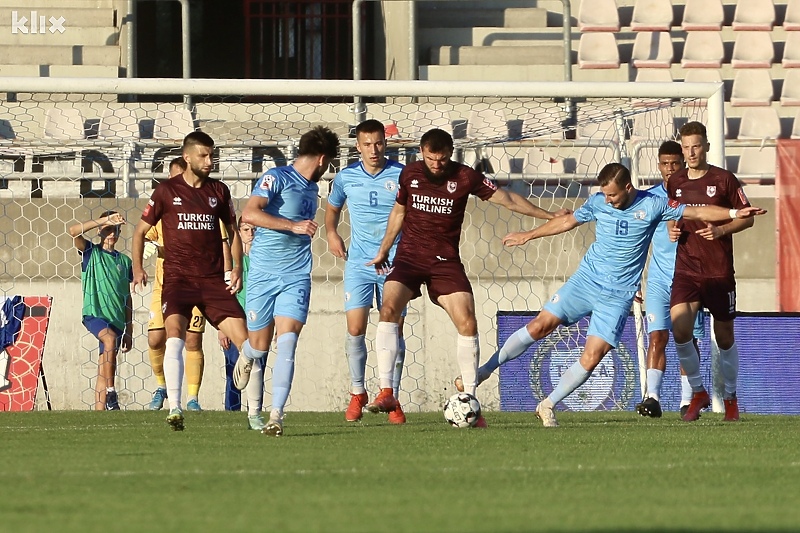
[282, 207]
[607, 277]
[369, 187]
[659, 288]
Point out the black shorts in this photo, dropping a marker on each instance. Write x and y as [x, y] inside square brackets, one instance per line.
[441, 277]
[210, 296]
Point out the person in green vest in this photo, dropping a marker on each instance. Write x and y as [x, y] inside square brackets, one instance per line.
[106, 275]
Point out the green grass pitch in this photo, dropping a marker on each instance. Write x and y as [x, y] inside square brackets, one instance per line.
[609, 472]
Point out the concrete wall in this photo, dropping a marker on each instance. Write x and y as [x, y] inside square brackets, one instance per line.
[38, 258]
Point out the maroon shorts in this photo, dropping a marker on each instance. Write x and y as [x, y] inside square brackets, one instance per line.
[441, 277]
[210, 296]
[718, 295]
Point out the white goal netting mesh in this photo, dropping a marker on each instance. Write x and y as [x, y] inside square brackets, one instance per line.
[66, 157]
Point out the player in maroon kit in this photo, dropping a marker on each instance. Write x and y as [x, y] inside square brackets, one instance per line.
[429, 209]
[190, 208]
[704, 275]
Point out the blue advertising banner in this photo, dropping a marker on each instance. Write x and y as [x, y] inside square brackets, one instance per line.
[768, 371]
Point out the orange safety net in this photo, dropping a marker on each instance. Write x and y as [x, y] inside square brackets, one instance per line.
[787, 204]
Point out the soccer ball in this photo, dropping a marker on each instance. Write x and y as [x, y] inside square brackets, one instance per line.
[462, 410]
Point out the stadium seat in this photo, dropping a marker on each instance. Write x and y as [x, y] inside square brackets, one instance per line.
[751, 87]
[790, 94]
[760, 123]
[428, 117]
[653, 75]
[490, 160]
[753, 49]
[173, 123]
[703, 49]
[791, 50]
[592, 159]
[647, 166]
[597, 130]
[652, 50]
[652, 15]
[487, 124]
[598, 50]
[754, 15]
[658, 125]
[118, 123]
[791, 21]
[703, 75]
[796, 126]
[703, 15]
[598, 15]
[539, 161]
[757, 161]
[64, 123]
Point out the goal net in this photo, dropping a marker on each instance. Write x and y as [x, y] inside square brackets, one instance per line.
[72, 148]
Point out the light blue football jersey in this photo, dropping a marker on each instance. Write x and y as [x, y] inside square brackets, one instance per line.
[290, 196]
[622, 237]
[369, 199]
[662, 258]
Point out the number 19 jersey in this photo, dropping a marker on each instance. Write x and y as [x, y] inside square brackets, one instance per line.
[290, 196]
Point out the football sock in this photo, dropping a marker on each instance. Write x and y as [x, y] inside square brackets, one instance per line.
[686, 391]
[283, 370]
[110, 389]
[690, 362]
[355, 348]
[255, 388]
[251, 353]
[386, 347]
[194, 372]
[574, 377]
[729, 360]
[173, 370]
[515, 345]
[157, 365]
[398, 367]
[654, 377]
[467, 356]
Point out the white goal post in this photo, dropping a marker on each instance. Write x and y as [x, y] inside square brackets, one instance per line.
[61, 137]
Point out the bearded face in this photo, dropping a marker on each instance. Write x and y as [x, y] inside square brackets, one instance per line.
[438, 166]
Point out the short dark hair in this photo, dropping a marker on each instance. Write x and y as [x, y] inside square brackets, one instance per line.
[694, 128]
[319, 141]
[178, 161]
[197, 138]
[670, 148]
[614, 172]
[371, 126]
[436, 141]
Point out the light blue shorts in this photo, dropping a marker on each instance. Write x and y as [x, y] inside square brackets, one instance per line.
[270, 296]
[656, 305]
[362, 286]
[581, 296]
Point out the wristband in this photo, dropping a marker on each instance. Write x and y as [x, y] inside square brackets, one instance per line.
[732, 213]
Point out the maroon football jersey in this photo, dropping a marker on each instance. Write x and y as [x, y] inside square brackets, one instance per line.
[434, 213]
[190, 219]
[696, 255]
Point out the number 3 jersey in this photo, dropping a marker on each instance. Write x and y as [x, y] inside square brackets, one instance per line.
[291, 196]
[616, 258]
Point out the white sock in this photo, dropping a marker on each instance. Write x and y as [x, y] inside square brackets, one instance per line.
[729, 360]
[690, 362]
[386, 347]
[467, 356]
[686, 391]
[173, 370]
[654, 377]
[255, 388]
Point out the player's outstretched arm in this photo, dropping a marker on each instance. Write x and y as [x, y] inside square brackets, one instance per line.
[137, 254]
[715, 213]
[393, 227]
[255, 215]
[516, 203]
[335, 241]
[554, 226]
